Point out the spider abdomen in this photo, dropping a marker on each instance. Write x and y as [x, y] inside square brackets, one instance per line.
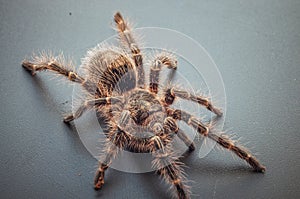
[112, 71]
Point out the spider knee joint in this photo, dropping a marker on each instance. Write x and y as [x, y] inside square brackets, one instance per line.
[177, 181]
[71, 76]
[134, 49]
[50, 63]
[206, 131]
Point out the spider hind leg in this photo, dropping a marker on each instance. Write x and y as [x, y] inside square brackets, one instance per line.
[168, 168]
[220, 139]
[117, 139]
[166, 162]
[238, 150]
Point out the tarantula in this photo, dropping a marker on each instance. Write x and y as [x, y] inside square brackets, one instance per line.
[114, 82]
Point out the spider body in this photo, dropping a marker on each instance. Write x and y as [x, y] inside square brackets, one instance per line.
[134, 116]
[142, 105]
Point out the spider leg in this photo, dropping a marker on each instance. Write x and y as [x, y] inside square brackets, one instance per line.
[220, 139]
[172, 93]
[57, 65]
[127, 39]
[162, 59]
[111, 151]
[117, 139]
[88, 104]
[165, 162]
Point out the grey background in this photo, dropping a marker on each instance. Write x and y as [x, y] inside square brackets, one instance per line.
[256, 46]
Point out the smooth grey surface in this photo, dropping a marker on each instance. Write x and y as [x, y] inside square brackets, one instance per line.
[256, 46]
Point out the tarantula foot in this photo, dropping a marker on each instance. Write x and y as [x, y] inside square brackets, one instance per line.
[215, 110]
[68, 118]
[191, 147]
[29, 67]
[99, 180]
[261, 169]
[99, 184]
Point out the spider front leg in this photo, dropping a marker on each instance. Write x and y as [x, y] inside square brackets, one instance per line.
[166, 163]
[220, 139]
[89, 104]
[59, 66]
[172, 93]
[55, 64]
[128, 40]
[117, 139]
[163, 59]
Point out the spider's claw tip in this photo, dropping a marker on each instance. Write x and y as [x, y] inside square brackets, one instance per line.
[215, 110]
[29, 67]
[219, 113]
[261, 169]
[98, 185]
[68, 119]
[191, 147]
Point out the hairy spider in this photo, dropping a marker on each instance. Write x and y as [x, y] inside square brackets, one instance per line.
[114, 82]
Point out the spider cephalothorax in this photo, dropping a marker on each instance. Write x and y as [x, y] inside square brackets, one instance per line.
[133, 115]
[142, 105]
